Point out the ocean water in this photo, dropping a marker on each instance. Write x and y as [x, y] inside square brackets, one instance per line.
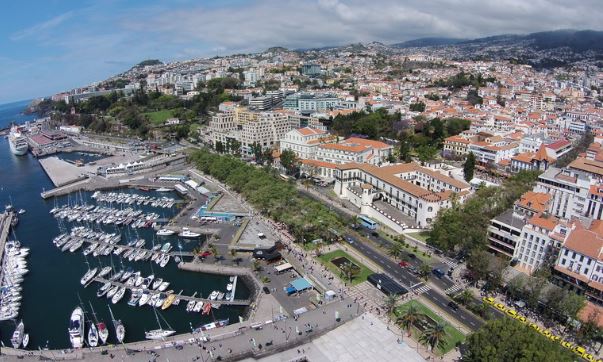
[13, 112]
[52, 289]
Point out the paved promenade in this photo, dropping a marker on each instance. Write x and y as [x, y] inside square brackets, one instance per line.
[231, 343]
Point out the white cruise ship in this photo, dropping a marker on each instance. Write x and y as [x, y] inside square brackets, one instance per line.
[18, 142]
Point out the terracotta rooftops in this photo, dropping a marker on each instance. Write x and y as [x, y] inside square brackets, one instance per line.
[547, 223]
[307, 131]
[586, 242]
[536, 201]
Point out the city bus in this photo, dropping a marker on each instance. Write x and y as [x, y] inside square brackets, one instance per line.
[367, 222]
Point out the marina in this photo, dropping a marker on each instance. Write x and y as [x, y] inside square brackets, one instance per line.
[46, 322]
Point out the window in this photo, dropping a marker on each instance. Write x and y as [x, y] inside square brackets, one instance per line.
[566, 252]
[581, 258]
[563, 261]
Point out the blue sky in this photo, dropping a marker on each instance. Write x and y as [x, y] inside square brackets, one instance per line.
[48, 46]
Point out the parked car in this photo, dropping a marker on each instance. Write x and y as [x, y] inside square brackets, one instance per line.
[266, 290]
[413, 270]
[349, 239]
[404, 264]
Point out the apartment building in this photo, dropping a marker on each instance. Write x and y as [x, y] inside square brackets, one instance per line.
[246, 127]
[579, 265]
[541, 238]
[569, 190]
[305, 141]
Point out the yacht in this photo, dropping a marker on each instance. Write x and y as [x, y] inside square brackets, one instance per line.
[17, 142]
[92, 336]
[144, 299]
[186, 233]
[198, 306]
[103, 290]
[76, 328]
[163, 286]
[158, 333]
[156, 283]
[25, 340]
[88, 276]
[165, 232]
[164, 260]
[104, 271]
[166, 248]
[168, 301]
[213, 295]
[118, 295]
[120, 330]
[163, 189]
[17, 338]
[229, 287]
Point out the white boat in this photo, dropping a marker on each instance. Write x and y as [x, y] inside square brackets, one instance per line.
[146, 296]
[76, 328]
[229, 287]
[163, 189]
[17, 142]
[156, 283]
[213, 295]
[118, 295]
[104, 271]
[164, 260]
[165, 232]
[112, 292]
[186, 233]
[163, 286]
[88, 276]
[25, 340]
[158, 333]
[92, 336]
[103, 332]
[198, 306]
[21, 211]
[120, 330]
[17, 337]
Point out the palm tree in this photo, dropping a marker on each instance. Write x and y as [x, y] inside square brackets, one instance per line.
[434, 335]
[256, 266]
[389, 303]
[465, 297]
[395, 250]
[409, 318]
[424, 271]
[349, 270]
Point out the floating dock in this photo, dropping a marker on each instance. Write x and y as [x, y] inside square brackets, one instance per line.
[181, 297]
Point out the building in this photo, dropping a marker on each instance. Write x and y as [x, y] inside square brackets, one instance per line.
[541, 238]
[489, 154]
[455, 146]
[579, 265]
[569, 191]
[354, 149]
[394, 193]
[247, 128]
[304, 141]
[308, 103]
[311, 69]
[531, 161]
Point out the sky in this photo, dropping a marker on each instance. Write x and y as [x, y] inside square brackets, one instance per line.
[48, 46]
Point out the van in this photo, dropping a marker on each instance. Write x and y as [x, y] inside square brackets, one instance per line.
[438, 272]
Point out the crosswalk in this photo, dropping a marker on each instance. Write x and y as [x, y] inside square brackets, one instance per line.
[422, 289]
[455, 288]
[450, 263]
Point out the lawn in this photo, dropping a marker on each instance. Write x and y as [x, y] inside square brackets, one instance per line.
[453, 335]
[159, 117]
[359, 278]
[421, 236]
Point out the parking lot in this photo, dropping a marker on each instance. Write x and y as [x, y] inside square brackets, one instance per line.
[278, 283]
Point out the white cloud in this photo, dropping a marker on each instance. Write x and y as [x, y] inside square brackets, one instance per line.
[41, 28]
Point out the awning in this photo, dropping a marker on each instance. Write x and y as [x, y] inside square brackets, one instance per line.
[283, 267]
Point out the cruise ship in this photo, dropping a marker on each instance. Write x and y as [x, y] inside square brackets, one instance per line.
[18, 142]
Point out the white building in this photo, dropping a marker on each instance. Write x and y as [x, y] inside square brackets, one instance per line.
[304, 141]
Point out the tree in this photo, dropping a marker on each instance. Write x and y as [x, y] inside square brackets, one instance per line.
[589, 330]
[434, 336]
[389, 303]
[219, 146]
[256, 266]
[469, 167]
[426, 153]
[504, 339]
[424, 271]
[417, 107]
[465, 297]
[289, 160]
[256, 149]
[395, 250]
[349, 270]
[409, 317]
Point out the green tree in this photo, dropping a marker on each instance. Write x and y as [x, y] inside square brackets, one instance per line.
[349, 270]
[395, 250]
[409, 318]
[424, 271]
[219, 146]
[469, 167]
[504, 339]
[389, 303]
[417, 107]
[426, 153]
[434, 336]
[289, 161]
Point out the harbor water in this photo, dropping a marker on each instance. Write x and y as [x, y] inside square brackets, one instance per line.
[52, 288]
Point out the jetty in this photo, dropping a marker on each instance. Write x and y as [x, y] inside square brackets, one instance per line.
[243, 302]
[5, 223]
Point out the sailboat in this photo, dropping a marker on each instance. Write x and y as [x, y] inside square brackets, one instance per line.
[17, 338]
[159, 333]
[120, 330]
[92, 335]
[103, 332]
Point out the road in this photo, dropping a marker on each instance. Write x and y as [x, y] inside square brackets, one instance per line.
[408, 279]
